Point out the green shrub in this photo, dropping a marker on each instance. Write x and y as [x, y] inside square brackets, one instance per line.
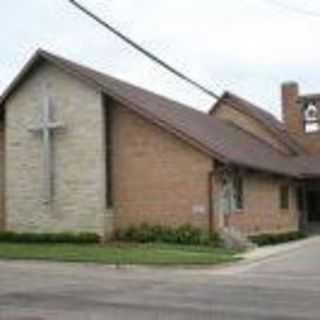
[213, 238]
[185, 234]
[167, 235]
[272, 239]
[76, 238]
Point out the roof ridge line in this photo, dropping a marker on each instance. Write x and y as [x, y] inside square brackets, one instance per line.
[123, 81]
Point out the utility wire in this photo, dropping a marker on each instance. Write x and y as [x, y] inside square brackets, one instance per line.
[293, 9]
[144, 51]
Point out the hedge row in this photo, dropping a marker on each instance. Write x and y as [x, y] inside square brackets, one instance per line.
[74, 238]
[185, 234]
[271, 239]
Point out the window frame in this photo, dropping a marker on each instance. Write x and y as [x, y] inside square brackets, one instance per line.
[300, 199]
[284, 197]
[238, 191]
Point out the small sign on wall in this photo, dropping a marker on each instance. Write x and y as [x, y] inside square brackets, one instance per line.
[198, 209]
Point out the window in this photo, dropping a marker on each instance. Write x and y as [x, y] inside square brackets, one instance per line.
[284, 197]
[311, 118]
[238, 191]
[300, 200]
[232, 192]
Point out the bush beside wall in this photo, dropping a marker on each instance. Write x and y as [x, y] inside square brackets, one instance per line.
[185, 234]
[74, 238]
[272, 239]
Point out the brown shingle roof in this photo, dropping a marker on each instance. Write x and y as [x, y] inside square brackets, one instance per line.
[265, 118]
[225, 142]
[309, 165]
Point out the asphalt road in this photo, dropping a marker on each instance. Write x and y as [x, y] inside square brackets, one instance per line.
[284, 287]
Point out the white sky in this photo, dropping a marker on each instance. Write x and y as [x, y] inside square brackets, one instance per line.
[246, 46]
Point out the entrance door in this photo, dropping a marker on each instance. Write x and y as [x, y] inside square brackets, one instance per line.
[313, 198]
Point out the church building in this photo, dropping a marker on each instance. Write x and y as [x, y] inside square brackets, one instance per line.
[84, 152]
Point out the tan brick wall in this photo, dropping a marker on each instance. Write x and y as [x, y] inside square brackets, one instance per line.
[310, 141]
[79, 156]
[262, 213]
[248, 123]
[2, 176]
[158, 178]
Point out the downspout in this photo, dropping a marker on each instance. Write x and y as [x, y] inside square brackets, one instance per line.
[109, 199]
[108, 146]
[305, 209]
[3, 223]
[210, 199]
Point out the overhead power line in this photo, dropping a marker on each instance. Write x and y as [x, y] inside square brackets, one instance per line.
[144, 51]
[293, 8]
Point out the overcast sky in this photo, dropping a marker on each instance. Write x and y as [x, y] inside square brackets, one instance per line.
[246, 46]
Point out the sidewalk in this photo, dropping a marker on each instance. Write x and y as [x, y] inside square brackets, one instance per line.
[271, 251]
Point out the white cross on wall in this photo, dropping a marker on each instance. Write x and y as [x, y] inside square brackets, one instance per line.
[47, 128]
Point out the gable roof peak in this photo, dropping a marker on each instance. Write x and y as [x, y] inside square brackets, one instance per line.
[267, 119]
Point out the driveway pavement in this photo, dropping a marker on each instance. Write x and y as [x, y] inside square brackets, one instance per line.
[280, 287]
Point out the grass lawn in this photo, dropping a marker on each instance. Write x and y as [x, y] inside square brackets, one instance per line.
[139, 254]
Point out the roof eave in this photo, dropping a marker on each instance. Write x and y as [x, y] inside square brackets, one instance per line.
[266, 170]
[21, 75]
[310, 176]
